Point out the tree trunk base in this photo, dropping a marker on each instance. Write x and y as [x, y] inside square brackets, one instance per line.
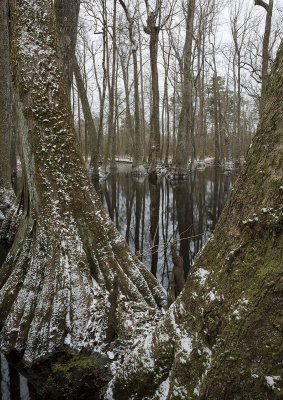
[178, 174]
[139, 170]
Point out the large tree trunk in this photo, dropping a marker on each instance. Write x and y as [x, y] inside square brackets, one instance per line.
[66, 249]
[222, 338]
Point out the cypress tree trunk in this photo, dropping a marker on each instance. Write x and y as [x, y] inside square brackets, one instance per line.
[222, 339]
[153, 30]
[185, 137]
[66, 248]
[89, 120]
[265, 48]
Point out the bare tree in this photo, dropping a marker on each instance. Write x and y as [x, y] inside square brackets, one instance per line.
[265, 47]
[240, 29]
[137, 158]
[185, 138]
[154, 23]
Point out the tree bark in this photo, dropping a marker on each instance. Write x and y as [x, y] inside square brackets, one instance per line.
[67, 14]
[5, 108]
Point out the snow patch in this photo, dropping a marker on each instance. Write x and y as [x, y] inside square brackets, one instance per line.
[272, 381]
[186, 345]
[163, 390]
[111, 355]
[202, 274]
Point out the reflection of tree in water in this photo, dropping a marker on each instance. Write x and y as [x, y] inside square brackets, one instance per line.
[154, 189]
[150, 215]
[185, 220]
[138, 193]
[165, 230]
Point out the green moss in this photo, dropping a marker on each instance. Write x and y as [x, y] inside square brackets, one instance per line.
[68, 373]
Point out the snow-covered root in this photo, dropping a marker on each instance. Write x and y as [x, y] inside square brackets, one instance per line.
[51, 278]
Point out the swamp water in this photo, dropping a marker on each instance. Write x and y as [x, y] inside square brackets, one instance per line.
[149, 216]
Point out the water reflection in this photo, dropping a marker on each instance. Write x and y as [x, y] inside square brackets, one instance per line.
[14, 386]
[150, 215]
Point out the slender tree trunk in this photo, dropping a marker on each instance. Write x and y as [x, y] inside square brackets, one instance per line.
[113, 164]
[153, 31]
[227, 130]
[154, 119]
[185, 130]
[89, 122]
[202, 126]
[166, 113]
[137, 159]
[111, 118]
[174, 119]
[128, 121]
[5, 107]
[96, 153]
[216, 122]
[265, 48]
[142, 98]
